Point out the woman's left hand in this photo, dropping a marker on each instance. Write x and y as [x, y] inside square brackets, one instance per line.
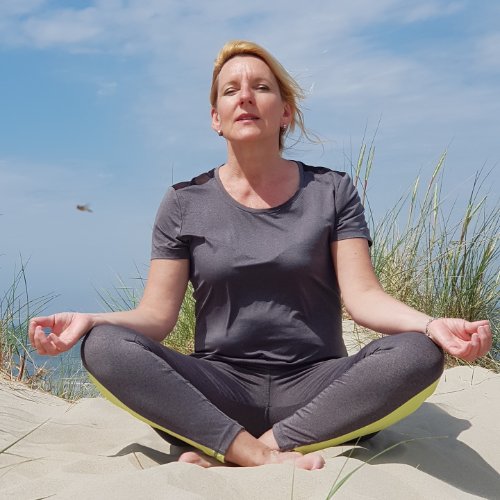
[467, 340]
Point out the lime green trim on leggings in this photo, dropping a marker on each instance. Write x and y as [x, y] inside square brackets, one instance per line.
[109, 396]
[399, 413]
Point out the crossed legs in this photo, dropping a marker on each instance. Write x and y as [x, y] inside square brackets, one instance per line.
[248, 416]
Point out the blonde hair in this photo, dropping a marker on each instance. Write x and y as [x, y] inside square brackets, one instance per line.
[290, 90]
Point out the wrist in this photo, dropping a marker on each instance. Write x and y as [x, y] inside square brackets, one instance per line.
[427, 326]
[96, 319]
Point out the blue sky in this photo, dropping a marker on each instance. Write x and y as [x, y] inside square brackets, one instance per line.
[104, 102]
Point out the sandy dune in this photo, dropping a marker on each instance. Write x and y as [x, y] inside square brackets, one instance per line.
[90, 449]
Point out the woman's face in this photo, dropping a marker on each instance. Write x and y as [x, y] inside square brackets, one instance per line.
[249, 104]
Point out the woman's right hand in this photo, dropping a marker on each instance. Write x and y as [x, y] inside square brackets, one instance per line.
[58, 333]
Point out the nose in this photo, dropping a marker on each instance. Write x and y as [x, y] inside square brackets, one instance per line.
[246, 94]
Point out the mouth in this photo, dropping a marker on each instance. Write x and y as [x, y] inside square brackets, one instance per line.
[247, 117]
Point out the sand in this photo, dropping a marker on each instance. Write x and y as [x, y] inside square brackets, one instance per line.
[51, 448]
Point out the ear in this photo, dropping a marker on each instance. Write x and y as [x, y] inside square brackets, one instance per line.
[287, 113]
[216, 125]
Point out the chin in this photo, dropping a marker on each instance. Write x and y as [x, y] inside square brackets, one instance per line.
[250, 136]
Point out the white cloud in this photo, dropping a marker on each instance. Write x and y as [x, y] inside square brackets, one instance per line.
[64, 27]
[167, 26]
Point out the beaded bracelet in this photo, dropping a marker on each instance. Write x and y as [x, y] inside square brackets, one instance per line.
[429, 321]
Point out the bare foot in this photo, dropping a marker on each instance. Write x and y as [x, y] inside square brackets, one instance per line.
[311, 461]
[193, 457]
[247, 451]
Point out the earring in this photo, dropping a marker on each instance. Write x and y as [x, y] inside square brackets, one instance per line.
[284, 127]
[220, 133]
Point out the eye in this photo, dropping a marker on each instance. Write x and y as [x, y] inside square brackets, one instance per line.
[262, 86]
[229, 91]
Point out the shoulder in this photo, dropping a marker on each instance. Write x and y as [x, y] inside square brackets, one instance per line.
[326, 176]
[335, 184]
[185, 192]
[199, 180]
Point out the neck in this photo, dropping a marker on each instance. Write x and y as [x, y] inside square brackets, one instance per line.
[254, 161]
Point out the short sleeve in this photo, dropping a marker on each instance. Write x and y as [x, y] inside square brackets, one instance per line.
[167, 242]
[350, 219]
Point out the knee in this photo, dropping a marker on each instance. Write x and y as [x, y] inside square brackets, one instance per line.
[101, 346]
[423, 356]
[95, 343]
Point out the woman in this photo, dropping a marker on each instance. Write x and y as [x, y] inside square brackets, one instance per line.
[270, 245]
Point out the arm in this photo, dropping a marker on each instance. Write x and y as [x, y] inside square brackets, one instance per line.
[155, 316]
[370, 306]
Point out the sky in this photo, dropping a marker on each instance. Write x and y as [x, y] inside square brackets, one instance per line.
[105, 102]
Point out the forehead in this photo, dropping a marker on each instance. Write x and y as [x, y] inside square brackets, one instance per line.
[239, 66]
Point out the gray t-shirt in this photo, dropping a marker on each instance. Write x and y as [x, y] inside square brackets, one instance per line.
[264, 283]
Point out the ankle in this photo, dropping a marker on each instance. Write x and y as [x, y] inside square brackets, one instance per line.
[269, 440]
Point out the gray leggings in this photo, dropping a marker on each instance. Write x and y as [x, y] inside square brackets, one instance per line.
[207, 403]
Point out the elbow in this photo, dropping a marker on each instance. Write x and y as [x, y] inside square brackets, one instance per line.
[156, 326]
[161, 330]
[353, 307]
[354, 314]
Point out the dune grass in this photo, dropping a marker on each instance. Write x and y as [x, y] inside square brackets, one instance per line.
[64, 378]
[437, 257]
[16, 308]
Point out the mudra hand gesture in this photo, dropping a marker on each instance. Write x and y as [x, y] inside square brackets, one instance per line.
[463, 339]
[58, 333]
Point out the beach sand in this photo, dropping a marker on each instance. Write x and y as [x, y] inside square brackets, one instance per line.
[52, 448]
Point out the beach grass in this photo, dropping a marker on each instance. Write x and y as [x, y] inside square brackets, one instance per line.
[18, 360]
[182, 337]
[437, 257]
[16, 308]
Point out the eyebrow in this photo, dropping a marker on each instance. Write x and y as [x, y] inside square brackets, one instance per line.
[235, 82]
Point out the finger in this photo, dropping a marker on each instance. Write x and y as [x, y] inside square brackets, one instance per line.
[456, 327]
[31, 331]
[472, 326]
[72, 334]
[485, 339]
[45, 321]
[479, 345]
[474, 347]
[460, 349]
[39, 340]
[58, 344]
[47, 344]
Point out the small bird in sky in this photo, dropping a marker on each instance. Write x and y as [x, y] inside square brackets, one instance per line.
[84, 208]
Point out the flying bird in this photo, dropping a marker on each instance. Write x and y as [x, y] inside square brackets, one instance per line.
[84, 208]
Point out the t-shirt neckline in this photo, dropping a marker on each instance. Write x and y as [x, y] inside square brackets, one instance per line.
[232, 201]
